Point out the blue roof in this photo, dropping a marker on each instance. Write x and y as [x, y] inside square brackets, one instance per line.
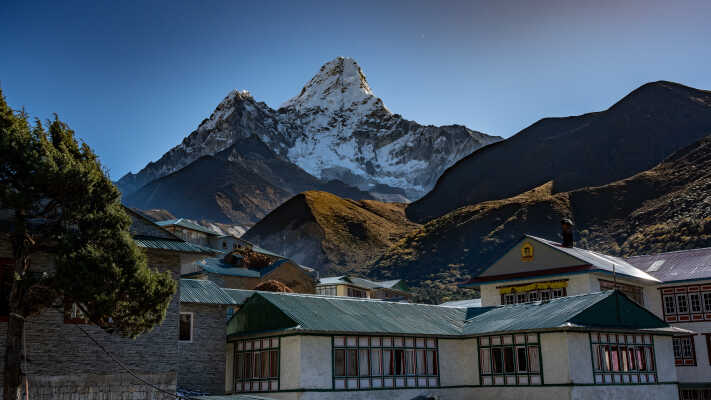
[187, 224]
[203, 292]
[217, 265]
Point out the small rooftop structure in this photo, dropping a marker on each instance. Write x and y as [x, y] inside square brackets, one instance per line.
[184, 223]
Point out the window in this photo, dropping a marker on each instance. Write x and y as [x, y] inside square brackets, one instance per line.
[682, 303]
[538, 291]
[684, 353]
[695, 394]
[186, 327]
[326, 290]
[257, 365]
[670, 305]
[635, 293]
[695, 300]
[353, 292]
[622, 359]
[362, 362]
[510, 360]
[73, 313]
[689, 303]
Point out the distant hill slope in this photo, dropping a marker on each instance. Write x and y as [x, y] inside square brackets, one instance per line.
[330, 233]
[241, 184]
[633, 135]
[665, 208]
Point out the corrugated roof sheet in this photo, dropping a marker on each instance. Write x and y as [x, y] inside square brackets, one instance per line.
[601, 261]
[239, 295]
[339, 314]
[349, 315]
[359, 282]
[463, 303]
[203, 292]
[187, 224]
[675, 266]
[234, 397]
[172, 245]
[537, 315]
[217, 265]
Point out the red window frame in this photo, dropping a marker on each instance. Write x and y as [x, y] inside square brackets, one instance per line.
[685, 361]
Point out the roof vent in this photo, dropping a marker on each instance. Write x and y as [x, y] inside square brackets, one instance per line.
[566, 225]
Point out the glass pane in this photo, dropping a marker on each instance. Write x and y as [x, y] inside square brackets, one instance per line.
[239, 367]
[257, 364]
[352, 363]
[641, 362]
[650, 358]
[399, 362]
[420, 362]
[410, 362]
[533, 359]
[265, 364]
[432, 362]
[185, 325]
[247, 365]
[363, 364]
[388, 362]
[274, 364]
[596, 357]
[485, 360]
[497, 360]
[509, 360]
[375, 362]
[340, 362]
[521, 359]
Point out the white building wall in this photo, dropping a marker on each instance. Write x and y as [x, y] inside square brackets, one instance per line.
[579, 357]
[577, 284]
[554, 355]
[458, 362]
[316, 363]
[664, 356]
[290, 362]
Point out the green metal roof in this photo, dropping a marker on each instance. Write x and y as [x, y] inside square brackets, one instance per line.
[172, 245]
[187, 224]
[203, 292]
[233, 397]
[239, 295]
[266, 311]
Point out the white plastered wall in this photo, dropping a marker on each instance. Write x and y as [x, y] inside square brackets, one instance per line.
[290, 362]
[458, 362]
[315, 362]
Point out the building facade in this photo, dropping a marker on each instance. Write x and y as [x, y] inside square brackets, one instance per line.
[64, 363]
[576, 347]
[674, 286]
[350, 286]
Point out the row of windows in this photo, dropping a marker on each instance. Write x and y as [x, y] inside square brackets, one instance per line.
[633, 292]
[623, 358]
[687, 303]
[684, 353]
[695, 394]
[353, 292]
[326, 290]
[510, 360]
[372, 362]
[256, 365]
[532, 295]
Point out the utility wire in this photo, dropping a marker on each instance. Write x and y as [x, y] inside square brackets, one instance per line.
[122, 365]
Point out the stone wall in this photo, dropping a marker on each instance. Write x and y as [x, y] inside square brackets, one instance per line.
[101, 387]
[56, 350]
[202, 361]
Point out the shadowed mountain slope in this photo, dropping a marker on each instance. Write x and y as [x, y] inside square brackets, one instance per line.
[593, 149]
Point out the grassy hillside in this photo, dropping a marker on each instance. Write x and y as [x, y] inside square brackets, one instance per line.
[665, 208]
[330, 233]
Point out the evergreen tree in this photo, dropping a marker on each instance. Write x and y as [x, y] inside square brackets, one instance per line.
[59, 201]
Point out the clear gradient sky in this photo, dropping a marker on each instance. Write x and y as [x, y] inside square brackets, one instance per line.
[134, 78]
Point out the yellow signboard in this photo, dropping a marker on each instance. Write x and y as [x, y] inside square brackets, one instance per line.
[534, 286]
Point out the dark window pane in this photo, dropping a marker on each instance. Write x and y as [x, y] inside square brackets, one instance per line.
[363, 362]
[185, 327]
[497, 360]
[274, 363]
[509, 360]
[399, 362]
[247, 365]
[387, 362]
[340, 361]
[352, 362]
[521, 359]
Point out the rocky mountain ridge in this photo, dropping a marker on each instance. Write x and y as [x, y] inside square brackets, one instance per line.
[335, 129]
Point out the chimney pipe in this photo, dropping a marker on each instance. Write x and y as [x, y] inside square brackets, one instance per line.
[566, 225]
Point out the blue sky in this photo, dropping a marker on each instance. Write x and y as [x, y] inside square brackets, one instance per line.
[134, 78]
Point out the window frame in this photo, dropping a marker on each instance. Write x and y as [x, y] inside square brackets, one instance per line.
[192, 326]
[397, 366]
[263, 379]
[623, 358]
[500, 375]
[680, 360]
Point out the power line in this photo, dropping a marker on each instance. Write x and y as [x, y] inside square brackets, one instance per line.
[122, 365]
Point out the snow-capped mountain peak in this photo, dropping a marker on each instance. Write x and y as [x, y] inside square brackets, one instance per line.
[339, 85]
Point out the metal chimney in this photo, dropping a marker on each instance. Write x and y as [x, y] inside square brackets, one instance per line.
[566, 225]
